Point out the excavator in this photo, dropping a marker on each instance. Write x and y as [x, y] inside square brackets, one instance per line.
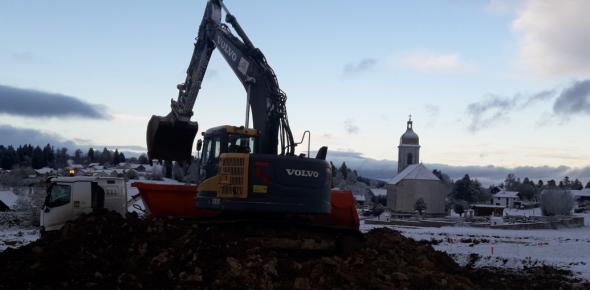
[246, 170]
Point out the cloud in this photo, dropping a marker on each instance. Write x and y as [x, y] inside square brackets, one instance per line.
[35, 104]
[363, 65]
[428, 61]
[493, 108]
[574, 99]
[501, 7]
[19, 136]
[488, 175]
[554, 37]
[486, 112]
[15, 136]
[350, 127]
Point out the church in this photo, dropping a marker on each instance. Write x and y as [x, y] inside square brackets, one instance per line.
[414, 180]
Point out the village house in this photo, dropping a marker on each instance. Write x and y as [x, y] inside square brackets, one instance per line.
[508, 199]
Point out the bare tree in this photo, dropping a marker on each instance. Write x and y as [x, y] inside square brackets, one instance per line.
[556, 202]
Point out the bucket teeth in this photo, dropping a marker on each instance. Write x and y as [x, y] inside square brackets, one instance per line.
[169, 139]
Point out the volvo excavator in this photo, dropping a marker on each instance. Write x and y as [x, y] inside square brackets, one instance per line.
[242, 169]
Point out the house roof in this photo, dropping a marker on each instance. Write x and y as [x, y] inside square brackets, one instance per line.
[486, 206]
[45, 170]
[582, 192]
[414, 172]
[359, 197]
[506, 194]
[8, 198]
[379, 191]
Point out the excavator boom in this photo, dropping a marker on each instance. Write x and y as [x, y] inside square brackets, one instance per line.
[171, 137]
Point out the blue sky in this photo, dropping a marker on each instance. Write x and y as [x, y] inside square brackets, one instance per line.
[467, 71]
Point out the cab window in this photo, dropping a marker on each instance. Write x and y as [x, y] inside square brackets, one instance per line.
[241, 144]
[217, 148]
[60, 194]
[206, 151]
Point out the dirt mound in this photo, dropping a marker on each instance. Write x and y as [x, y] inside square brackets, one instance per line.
[105, 251]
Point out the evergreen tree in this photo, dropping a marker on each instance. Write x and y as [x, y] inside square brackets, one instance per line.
[577, 185]
[105, 156]
[48, 156]
[468, 190]
[8, 157]
[90, 156]
[335, 171]
[116, 160]
[567, 183]
[511, 183]
[78, 156]
[420, 205]
[61, 158]
[122, 157]
[344, 170]
[588, 184]
[143, 159]
[37, 158]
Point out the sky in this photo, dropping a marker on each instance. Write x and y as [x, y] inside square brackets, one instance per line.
[488, 83]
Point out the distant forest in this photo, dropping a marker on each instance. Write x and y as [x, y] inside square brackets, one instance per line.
[48, 156]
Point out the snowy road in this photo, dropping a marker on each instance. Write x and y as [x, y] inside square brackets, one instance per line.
[564, 248]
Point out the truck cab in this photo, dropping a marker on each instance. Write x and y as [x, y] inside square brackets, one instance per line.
[69, 197]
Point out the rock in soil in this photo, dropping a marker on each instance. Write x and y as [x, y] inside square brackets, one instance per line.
[106, 251]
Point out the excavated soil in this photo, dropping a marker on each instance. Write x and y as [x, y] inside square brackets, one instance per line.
[105, 251]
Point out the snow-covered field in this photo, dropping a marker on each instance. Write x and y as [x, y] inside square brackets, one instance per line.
[564, 248]
[14, 237]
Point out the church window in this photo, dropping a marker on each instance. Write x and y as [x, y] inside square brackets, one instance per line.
[410, 159]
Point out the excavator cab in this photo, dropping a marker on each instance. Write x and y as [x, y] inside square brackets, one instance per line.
[170, 139]
[225, 139]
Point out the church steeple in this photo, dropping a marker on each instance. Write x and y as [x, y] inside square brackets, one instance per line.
[409, 147]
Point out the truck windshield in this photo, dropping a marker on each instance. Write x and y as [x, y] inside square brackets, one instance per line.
[59, 194]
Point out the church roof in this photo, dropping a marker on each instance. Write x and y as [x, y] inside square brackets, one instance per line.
[414, 172]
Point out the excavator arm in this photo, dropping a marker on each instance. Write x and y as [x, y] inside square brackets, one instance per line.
[171, 137]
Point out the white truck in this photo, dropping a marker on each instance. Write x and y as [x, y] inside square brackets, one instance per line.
[69, 197]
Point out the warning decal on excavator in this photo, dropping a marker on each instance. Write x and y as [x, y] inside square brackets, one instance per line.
[260, 188]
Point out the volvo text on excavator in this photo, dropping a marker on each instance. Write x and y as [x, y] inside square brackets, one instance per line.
[242, 168]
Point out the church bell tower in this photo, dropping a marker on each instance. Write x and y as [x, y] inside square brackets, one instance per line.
[408, 149]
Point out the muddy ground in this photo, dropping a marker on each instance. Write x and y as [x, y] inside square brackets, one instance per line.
[105, 251]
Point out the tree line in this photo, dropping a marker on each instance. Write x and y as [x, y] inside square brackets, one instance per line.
[49, 156]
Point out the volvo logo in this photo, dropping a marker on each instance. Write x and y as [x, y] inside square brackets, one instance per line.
[303, 173]
[227, 49]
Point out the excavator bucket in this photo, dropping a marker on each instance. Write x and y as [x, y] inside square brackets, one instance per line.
[169, 139]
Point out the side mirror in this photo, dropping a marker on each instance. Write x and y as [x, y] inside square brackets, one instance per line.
[46, 209]
[199, 144]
